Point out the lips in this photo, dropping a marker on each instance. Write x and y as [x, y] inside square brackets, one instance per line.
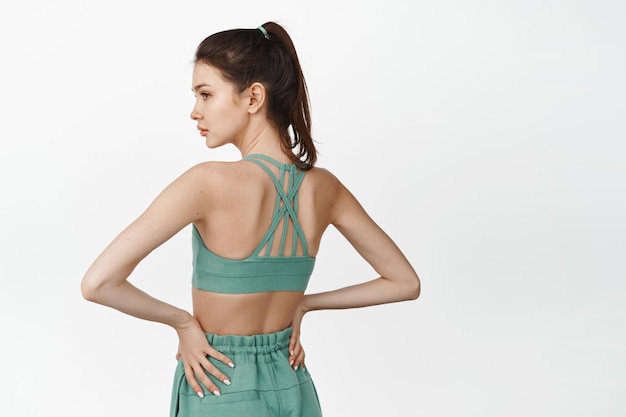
[203, 131]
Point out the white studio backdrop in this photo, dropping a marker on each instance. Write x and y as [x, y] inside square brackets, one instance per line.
[486, 137]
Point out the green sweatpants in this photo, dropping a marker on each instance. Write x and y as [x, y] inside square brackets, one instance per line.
[263, 383]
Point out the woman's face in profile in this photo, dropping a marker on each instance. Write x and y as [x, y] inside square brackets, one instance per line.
[220, 112]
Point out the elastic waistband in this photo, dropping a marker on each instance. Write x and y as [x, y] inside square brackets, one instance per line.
[257, 344]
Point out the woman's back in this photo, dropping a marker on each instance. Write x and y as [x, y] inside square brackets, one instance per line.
[240, 207]
[257, 227]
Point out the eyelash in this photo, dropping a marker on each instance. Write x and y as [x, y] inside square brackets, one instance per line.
[203, 95]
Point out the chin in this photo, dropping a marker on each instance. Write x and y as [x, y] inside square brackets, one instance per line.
[211, 144]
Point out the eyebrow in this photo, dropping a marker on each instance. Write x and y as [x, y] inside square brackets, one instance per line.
[199, 86]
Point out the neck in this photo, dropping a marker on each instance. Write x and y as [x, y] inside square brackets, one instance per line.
[263, 140]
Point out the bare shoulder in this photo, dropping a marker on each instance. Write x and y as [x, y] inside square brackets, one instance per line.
[224, 183]
[321, 177]
[219, 175]
[208, 171]
[342, 203]
[329, 183]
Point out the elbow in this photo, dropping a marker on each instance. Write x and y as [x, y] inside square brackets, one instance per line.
[89, 290]
[414, 290]
[407, 289]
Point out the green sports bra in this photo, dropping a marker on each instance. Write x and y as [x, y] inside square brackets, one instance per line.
[261, 272]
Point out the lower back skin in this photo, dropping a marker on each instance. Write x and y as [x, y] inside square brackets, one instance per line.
[244, 314]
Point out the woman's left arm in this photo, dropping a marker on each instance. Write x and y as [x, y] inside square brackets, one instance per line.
[398, 281]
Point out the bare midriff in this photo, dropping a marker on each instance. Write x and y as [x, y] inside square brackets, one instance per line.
[244, 314]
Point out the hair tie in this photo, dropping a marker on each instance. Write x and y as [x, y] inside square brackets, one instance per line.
[264, 32]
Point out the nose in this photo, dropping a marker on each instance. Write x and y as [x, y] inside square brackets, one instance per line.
[195, 114]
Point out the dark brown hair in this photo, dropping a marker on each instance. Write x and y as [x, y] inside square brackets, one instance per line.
[246, 56]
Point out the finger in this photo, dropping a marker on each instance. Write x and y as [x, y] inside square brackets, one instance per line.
[211, 369]
[293, 340]
[201, 370]
[291, 357]
[193, 383]
[221, 357]
[297, 357]
[298, 360]
[293, 354]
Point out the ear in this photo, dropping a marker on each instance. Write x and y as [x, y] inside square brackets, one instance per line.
[258, 94]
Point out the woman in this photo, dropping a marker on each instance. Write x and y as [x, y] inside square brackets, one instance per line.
[257, 226]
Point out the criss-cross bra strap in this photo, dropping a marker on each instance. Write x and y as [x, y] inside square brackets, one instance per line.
[285, 207]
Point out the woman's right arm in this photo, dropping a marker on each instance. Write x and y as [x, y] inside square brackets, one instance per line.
[105, 282]
[181, 203]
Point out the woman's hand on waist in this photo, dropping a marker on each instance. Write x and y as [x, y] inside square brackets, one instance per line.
[193, 349]
[296, 351]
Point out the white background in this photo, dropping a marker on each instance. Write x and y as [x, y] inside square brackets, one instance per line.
[486, 137]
